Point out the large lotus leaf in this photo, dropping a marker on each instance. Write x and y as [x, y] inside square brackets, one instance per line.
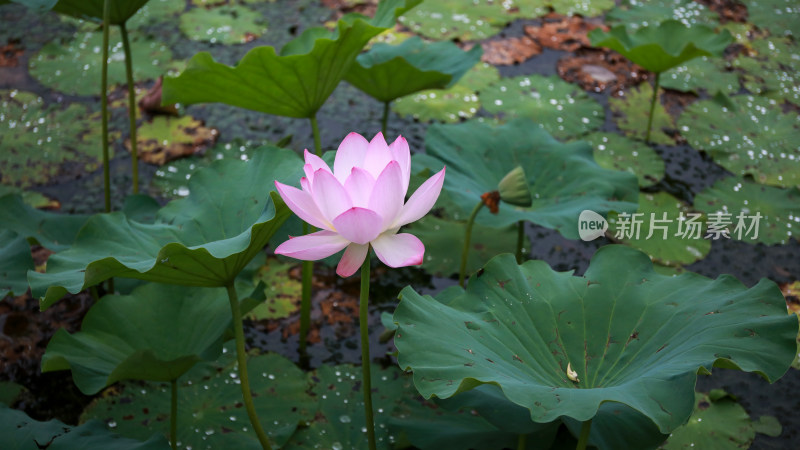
[613, 151]
[779, 210]
[444, 238]
[20, 432]
[780, 17]
[748, 136]
[38, 141]
[563, 177]
[210, 413]
[387, 72]
[230, 24]
[639, 433]
[15, 261]
[561, 108]
[661, 47]
[339, 417]
[53, 231]
[771, 69]
[74, 67]
[704, 73]
[631, 335]
[122, 337]
[204, 239]
[658, 229]
[294, 83]
[636, 14]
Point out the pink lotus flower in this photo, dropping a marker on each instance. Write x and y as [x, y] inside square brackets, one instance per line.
[358, 204]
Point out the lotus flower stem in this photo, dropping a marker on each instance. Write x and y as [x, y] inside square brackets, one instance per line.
[317, 140]
[305, 301]
[241, 358]
[583, 439]
[366, 385]
[385, 118]
[520, 239]
[652, 108]
[521, 441]
[104, 105]
[467, 236]
[126, 45]
[173, 416]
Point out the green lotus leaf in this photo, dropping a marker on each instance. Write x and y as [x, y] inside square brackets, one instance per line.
[156, 11]
[780, 17]
[448, 105]
[636, 14]
[10, 392]
[444, 238]
[771, 69]
[20, 432]
[122, 336]
[230, 24]
[74, 67]
[658, 48]
[15, 262]
[612, 151]
[38, 141]
[282, 292]
[294, 83]
[748, 136]
[121, 10]
[701, 74]
[53, 231]
[631, 335]
[481, 418]
[717, 422]
[561, 108]
[564, 179]
[339, 416]
[631, 114]
[666, 230]
[209, 404]
[640, 432]
[204, 239]
[448, 19]
[585, 8]
[388, 72]
[778, 210]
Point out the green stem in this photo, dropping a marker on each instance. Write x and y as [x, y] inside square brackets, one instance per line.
[652, 108]
[462, 272]
[173, 417]
[520, 239]
[104, 105]
[126, 45]
[317, 140]
[583, 439]
[305, 302]
[365, 372]
[521, 441]
[241, 358]
[385, 119]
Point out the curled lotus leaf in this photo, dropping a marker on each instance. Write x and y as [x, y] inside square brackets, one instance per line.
[632, 336]
[664, 46]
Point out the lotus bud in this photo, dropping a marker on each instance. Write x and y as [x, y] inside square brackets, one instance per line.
[514, 188]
